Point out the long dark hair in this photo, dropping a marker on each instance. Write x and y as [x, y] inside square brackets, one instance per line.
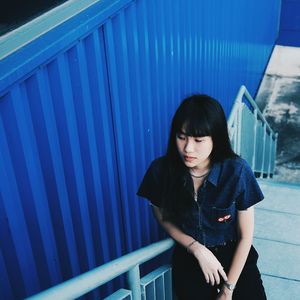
[199, 115]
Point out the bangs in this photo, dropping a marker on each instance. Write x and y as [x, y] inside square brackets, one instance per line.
[197, 116]
[194, 126]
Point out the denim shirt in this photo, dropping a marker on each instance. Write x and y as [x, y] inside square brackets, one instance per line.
[212, 219]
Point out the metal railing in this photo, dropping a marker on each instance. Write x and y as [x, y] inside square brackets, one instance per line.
[251, 135]
[158, 281]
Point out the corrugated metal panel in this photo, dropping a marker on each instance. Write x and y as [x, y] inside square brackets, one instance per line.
[57, 147]
[289, 34]
[86, 106]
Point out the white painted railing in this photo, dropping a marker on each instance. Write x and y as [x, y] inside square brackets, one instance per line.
[158, 282]
[251, 135]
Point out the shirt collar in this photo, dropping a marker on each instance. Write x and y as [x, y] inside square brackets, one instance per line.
[214, 174]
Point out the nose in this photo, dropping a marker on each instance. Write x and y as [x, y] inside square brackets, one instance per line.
[188, 147]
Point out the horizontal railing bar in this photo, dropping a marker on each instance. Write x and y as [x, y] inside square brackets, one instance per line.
[51, 33]
[244, 92]
[254, 105]
[238, 100]
[18, 38]
[84, 283]
[236, 124]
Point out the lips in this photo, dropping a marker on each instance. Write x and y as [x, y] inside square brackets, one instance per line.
[189, 158]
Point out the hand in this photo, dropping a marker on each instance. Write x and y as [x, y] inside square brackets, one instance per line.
[225, 294]
[209, 264]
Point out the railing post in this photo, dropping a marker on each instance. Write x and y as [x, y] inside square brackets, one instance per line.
[134, 282]
[254, 143]
[264, 147]
[274, 153]
[235, 133]
[270, 154]
[239, 127]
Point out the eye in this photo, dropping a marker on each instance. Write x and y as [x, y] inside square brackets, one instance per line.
[199, 140]
[181, 137]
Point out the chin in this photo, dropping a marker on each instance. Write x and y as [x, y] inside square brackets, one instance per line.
[190, 164]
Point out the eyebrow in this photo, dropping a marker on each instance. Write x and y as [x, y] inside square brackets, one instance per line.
[181, 132]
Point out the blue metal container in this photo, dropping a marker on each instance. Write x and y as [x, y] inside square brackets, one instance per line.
[87, 93]
[289, 34]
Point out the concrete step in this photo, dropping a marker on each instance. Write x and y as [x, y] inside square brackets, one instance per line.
[277, 239]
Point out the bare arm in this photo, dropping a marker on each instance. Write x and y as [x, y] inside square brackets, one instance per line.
[245, 231]
[171, 229]
[209, 264]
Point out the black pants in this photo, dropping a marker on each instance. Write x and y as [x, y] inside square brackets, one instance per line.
[189, 282]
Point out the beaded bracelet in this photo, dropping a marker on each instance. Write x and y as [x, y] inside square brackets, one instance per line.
[190, 245]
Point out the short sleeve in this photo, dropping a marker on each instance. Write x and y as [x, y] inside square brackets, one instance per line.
[250, 192]
[151, 185]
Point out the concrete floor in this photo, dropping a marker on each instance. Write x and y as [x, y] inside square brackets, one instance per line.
[277, 218]
[277, 239]
[279, 99]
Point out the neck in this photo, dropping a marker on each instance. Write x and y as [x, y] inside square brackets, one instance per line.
[201, 169]
[199, 176]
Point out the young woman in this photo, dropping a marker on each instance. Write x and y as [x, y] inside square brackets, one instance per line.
[203, 194]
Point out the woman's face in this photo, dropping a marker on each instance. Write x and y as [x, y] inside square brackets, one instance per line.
[194, 151]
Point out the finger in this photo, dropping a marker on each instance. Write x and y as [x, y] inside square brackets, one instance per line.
[211, 279]
[223, 274]
[217, 277]
[206, 278]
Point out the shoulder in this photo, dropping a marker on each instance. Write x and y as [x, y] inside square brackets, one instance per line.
[156, 171]
[159, 161]
[238, 171]
[151, 186]
[235, 166]
[237, 180]
[246, 185]
[233, 171]
[158, 165]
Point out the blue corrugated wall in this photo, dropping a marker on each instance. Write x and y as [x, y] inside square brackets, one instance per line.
[289, 34]
[86, 105]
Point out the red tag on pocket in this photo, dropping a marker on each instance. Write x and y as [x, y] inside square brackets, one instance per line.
[224, 219]
[227, 217]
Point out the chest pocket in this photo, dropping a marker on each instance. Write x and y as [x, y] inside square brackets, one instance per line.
[220, 218]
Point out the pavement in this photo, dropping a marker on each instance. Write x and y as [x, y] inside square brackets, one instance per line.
[277, 239]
